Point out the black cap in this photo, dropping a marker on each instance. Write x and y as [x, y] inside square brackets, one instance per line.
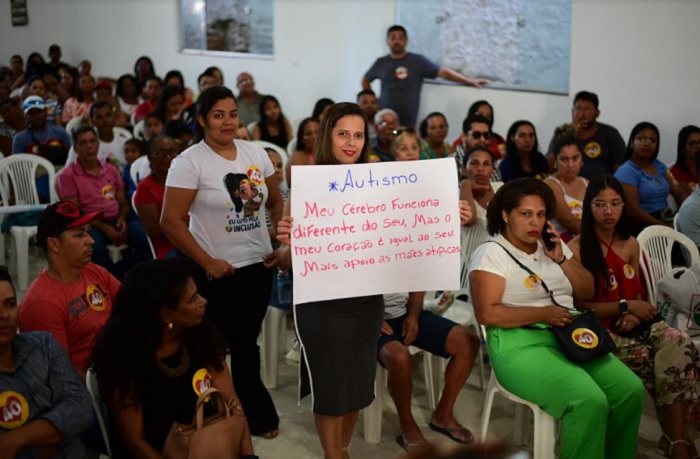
[59, 217]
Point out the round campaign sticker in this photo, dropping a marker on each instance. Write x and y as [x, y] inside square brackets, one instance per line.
[585, 338]
[108, 192]
[401, 72]
[95, 298]
[255, 175]
[592, 150]
[629, 271]
[612, 281]
[14, 410]
[532, 282]
[201, 381]
[576, 209]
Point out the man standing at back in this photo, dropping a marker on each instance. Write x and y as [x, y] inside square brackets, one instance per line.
[601, 144]
[402, 74]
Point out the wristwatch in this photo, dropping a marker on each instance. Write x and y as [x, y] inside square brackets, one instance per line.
[624, 309]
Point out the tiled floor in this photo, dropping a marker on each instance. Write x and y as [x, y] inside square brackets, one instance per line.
[298, 439]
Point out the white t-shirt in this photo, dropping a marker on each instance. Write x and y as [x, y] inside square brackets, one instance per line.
[112, 152]
[521, 289]
[395, 305]
[227, 217]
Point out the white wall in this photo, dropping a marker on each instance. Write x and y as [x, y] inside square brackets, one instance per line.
[640, 56]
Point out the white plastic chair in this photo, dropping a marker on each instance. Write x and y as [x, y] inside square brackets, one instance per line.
[150, 243]
[292, 146]
[135, 169]
[251, 128]
[122, 133]
[545, 425]
[655, 243]
[272, 327]
[140, 130]
[19, 174]
[74, 124]
[675, 223]
[93, 389]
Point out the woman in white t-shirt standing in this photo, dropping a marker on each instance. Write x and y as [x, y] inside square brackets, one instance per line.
[599, 402]
[225, 185]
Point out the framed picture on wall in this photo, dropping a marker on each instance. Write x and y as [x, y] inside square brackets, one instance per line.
[242, 28]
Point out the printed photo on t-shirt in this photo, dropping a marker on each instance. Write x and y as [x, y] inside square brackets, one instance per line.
[246, 199]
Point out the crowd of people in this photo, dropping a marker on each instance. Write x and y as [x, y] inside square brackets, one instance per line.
[213, 209]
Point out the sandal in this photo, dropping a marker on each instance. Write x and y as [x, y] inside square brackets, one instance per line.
[450, 433]
[401, 440]
[668, 452]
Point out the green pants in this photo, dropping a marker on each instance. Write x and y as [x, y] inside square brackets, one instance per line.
[599, 403]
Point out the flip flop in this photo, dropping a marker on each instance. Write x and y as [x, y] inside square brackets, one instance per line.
[448, 432]
[405, 444]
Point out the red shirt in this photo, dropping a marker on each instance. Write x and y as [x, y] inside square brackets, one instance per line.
[143, 109]
[72, 312]
[682, 176]
[149, 191]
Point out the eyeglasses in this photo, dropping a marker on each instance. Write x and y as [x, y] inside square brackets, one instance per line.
[479, 134]
[601, 206]
[166, 152]
[645, 139]
[693, 143]
[248, 81]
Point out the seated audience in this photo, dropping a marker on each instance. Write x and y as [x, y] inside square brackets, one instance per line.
[177, 130]
[273, 126]
[645, 180]
[126, 94]
[523, 158]
[496, 143]
[517, 312]
[568, 187]
[664, 358]
[476, 131]
[155, 356]
[37, 87]
[304, 153]
[320, 107]
[4, 85]
[79, 106]
[71, 298]
[40, 137]
[153, 125]
[150, 193]
[433, 131]
[96, 186]
[150, 94]
[69, 84]
[217, 74]
[13, 122]
[685, 168]
[171, 102]
[368, 102]
[248, 98]
[17, 68]
[102, 92]
[143, 70]
[85, 67]
[204, 81]
[688, 218]
[386, 121]
[35, 67]
[45, 405]
[111, 148]
[477, 170]
[602, 144]
[133, 150]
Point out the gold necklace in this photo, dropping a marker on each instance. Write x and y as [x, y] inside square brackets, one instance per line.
[178, 371]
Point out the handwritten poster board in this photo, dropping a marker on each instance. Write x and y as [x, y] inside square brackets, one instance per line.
[375, 228]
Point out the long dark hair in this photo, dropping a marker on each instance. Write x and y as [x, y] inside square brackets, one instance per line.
[263, 118]
[636, 130]
[205, 102]
[475, 108]
[423, 127]
[125, 350]
[683, 135]
[591, 253]
[300, 133]
[323, 150]
[168, 93]
[320, 106]
[513, 155]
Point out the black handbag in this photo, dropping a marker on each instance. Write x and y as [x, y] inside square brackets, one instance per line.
[585, 338]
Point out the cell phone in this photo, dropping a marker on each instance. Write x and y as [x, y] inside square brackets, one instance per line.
[547, 237]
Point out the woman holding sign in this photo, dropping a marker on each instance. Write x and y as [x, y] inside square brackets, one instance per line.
[339, 336]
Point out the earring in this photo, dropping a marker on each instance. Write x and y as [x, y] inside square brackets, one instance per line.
[170, 325]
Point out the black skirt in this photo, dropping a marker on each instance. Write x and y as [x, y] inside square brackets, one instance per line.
[339, 352]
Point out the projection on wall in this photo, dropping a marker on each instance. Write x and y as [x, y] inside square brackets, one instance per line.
[519, 44]
[242, 27]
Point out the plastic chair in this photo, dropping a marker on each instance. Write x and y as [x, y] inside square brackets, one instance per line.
[655, 243]
[122, 133]
[135, 169]
[93, 389]
[292, 146]
[675, 223]
[271, 328]
[251, 128]
[74, 124]
[140, 130]
[19, 174]
[545, 425]
[150, 243]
